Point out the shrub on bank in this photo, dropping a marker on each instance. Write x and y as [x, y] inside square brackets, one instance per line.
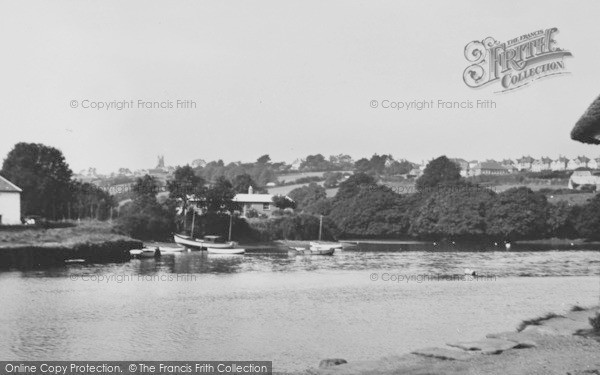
[291, 227]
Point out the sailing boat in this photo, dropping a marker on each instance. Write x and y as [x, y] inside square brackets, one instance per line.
[317, 248]
[215, 242]
[222, 250]
[323, 245]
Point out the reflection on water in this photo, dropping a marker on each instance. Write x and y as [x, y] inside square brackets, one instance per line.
[268, 306]
[500, 264]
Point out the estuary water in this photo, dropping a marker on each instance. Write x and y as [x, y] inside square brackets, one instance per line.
[292, 310]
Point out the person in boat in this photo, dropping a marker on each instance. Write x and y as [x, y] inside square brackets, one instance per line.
[156, 252]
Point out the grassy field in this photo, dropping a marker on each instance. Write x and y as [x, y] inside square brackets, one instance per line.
[285, 190]
[294, 176]
[84, 232]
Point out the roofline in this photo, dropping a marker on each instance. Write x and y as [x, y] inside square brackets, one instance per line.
[11, 184]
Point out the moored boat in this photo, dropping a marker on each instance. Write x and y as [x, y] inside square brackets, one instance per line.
[325, 245]
[145, 253]
[187, 241]
[311, 251]
[231, 251]
[215, 242]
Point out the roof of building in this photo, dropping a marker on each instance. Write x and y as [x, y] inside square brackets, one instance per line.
[490, 164]
[253, 198]
[7, 186]
[525, 159]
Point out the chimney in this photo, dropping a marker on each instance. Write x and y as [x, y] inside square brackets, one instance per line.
[250, 190]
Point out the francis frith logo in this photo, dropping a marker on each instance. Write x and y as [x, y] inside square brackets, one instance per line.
[516, 62]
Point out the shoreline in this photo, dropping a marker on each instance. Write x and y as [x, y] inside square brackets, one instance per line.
[92, 241]
[553, 344]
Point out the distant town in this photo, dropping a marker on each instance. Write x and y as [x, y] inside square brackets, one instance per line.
[403, 168]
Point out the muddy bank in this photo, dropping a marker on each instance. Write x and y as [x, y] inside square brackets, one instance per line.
[552, 345]
[25, 256]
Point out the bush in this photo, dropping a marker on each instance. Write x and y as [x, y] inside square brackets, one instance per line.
[147, 226]
[291, 227]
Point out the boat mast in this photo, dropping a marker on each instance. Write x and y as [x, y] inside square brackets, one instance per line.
[230, 223]
[320, 226]
[193, 220]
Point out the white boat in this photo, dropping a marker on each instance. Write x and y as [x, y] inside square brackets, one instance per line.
[167, 250]
[326, 245]
[215, 242]
[311, 251]
[233, 251]
[187, 241]
[145, 253]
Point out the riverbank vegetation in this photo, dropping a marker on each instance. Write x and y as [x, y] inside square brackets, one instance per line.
[88, 231]
[199, 201]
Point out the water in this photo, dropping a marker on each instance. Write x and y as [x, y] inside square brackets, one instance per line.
[294, 311]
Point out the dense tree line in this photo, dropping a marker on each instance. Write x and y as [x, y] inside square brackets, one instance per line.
[48, 189]
[446, 206]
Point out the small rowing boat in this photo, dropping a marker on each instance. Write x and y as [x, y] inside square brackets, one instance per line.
[145, 253]
[233, 251]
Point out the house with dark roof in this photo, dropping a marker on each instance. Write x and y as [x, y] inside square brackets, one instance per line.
[10, 203]
[525, 163]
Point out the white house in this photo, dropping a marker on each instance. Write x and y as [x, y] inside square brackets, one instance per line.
[261, 203]
[578, 162]
[560, 164]
[10, 203]
[543, 164]
[583, 178]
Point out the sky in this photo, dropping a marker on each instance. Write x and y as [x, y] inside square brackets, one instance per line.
[284, 78]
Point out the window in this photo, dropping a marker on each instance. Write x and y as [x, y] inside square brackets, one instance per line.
[266, 206]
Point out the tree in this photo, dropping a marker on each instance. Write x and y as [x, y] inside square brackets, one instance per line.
[89, 201]
[45, 177]
[282, 202]
[377, 162]
[372, 211]
[265, 159]
[362, 165]
[308, 195]
[186, 183]
[145, 218]
[242, 182]
[562, 219]
[144, 192]
[399, 168]
[353, 184]
[456, 212]
[332, 179]
[219, 197]
[440, 171]
[588, 220]
[315, 163]
[518, 213]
